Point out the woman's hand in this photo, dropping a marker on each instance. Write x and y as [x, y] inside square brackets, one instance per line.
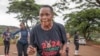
[63, 50]
[31, 50]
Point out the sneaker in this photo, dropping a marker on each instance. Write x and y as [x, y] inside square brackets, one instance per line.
[76, 52]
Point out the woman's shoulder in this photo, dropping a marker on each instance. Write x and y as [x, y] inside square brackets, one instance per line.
[36, 26]
[59, 25]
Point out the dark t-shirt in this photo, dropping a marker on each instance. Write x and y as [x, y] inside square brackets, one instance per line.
[7, 36]
[48, 42]
[76, 38]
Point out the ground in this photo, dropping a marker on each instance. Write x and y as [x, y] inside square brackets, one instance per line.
[87, 50]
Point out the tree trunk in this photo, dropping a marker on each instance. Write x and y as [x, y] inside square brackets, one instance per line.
[84, 34]
[88, 36]
[27, 24]
[31, 22]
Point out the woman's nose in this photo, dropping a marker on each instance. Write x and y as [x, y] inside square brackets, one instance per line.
[44, 17]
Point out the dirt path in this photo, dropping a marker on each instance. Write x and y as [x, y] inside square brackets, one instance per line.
[84, 50]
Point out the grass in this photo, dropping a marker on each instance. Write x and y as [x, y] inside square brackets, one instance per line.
[1, 41]
[12, 41]
[96, 42]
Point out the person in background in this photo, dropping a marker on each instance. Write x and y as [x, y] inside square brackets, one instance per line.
[6, 39]
[23, 40]
[48, 37]
[68, 38]
[76, 42]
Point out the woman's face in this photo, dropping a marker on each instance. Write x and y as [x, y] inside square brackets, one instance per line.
[45, 16]
[22, 26]
[8, 29]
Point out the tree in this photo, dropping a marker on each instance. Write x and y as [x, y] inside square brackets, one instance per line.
[25, 9]
[85, 21]
[64, 5]
[78, 17]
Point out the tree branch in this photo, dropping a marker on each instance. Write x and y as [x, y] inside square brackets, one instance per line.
[98, 1]
[94, 3]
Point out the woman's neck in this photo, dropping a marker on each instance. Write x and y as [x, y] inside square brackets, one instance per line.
[23, 28]
[48, 27]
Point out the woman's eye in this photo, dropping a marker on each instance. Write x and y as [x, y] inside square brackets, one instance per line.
[47, 14]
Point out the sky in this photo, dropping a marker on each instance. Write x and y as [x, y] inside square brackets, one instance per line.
[10, 20]
[7, 19]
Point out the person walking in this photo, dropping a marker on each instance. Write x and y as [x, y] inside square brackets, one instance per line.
[68, 38]
[6, 40]
[76, 42]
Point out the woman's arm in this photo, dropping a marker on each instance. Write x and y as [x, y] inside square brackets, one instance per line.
[3, 36]
[28, 37]
[13, 34]
[32, 48]
[64, 41]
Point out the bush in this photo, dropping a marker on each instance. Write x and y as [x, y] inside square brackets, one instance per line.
[95, 36]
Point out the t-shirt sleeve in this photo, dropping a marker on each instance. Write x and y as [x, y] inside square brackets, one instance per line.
[4, 34]
[33, 40]
[63, 34]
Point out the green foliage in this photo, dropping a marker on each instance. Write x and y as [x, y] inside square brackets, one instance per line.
[85, 21]
[1, 40]
[95, 35]
[1, 31]
[64, 5]
[25, 9]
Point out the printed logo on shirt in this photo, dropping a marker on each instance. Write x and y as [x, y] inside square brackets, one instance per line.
[7, 36]
[50, 48]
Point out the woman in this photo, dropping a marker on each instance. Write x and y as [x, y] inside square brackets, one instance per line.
[76, 42]
[68, 37]
[48, 37]
[22, 42]
[6, 37]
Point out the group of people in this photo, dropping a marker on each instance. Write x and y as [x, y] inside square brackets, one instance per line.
[76, 41]
[22, 42]
[48, 38]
